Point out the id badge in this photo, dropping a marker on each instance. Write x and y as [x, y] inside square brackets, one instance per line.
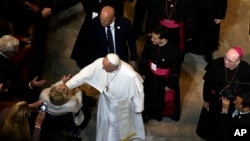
[153, 66]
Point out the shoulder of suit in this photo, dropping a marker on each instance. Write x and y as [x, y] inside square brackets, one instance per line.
[122, 19]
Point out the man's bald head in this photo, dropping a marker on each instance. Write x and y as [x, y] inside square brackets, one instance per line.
[107, 15]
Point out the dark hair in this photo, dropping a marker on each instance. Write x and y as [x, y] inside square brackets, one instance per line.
[245, 95]
[162, 31]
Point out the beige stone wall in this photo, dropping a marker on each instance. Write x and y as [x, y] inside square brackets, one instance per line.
[235, 27]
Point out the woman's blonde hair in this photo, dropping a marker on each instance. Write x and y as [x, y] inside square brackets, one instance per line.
[58, 98]
[16, 125]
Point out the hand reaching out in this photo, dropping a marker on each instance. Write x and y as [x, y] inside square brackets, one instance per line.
[35, 105]
[66, 78]
[36, 83]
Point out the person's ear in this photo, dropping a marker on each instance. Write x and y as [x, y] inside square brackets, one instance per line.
[238, 62]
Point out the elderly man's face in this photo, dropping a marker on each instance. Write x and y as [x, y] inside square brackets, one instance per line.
[107, 66]
[231, 59]
[106, 18]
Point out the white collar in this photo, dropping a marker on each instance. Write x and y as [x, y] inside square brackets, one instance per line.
[243, 113]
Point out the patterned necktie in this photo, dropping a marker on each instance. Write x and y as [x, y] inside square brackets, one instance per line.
[110, 40]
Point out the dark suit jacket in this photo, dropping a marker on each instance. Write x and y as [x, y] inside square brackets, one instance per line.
[80, 52]
[230, 128]
[124, 39]
[95, 44]
[89, 6]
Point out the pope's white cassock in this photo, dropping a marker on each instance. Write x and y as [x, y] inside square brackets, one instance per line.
[120, 103]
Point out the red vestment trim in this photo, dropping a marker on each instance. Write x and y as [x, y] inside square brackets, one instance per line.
[159, 71]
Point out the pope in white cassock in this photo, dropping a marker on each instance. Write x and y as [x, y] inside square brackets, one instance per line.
[121, 98]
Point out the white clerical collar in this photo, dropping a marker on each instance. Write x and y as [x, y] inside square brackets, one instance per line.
[239, 113]
[163, 44]
[242, 113]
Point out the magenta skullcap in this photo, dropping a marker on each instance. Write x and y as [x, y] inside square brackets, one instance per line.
[238, 50]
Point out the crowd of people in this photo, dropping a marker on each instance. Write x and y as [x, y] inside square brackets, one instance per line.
[132, 90]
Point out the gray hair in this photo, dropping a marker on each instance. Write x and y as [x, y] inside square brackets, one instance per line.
[7, 43]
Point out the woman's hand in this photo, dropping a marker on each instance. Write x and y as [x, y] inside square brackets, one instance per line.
[39, 119]
[35, 105]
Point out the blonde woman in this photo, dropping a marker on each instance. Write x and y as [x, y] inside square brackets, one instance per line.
[14, 122]
[61, 103]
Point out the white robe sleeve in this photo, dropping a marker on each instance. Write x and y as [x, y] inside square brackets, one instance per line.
[83, 76]
[138, 98]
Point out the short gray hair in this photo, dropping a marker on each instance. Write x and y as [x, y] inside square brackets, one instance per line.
[7, 43]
